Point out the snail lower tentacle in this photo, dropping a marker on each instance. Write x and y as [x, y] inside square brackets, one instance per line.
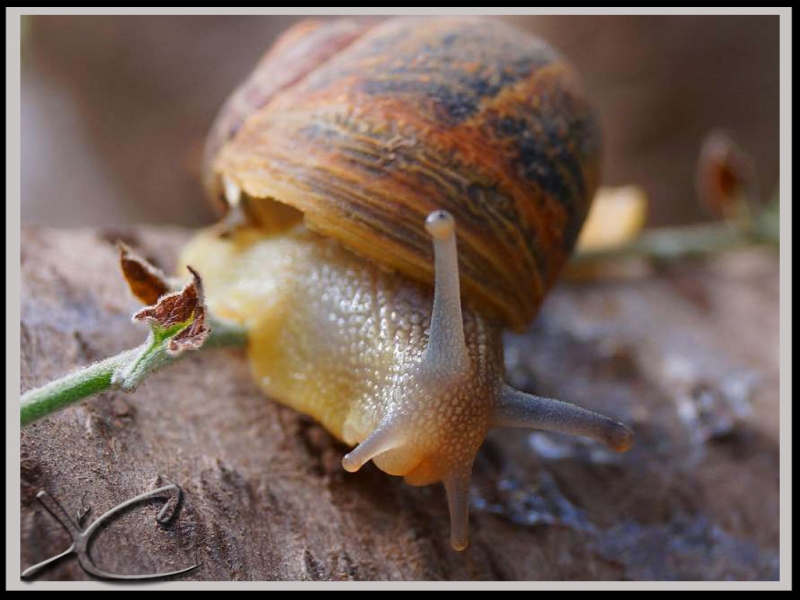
[379, 441]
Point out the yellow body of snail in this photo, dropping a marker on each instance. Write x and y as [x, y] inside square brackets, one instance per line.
[349, 182]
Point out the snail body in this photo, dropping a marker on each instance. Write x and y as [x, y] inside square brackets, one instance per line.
[346, 173]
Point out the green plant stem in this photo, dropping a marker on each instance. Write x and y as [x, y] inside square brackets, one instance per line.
[57, 394]
[123, 371]
[691, 240]
[225, 334]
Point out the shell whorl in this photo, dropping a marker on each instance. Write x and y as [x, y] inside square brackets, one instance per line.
[367, 127]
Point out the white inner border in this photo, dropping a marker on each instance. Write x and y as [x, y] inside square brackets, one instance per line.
[13, 146]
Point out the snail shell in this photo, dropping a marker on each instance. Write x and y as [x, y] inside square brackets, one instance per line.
[366, 127]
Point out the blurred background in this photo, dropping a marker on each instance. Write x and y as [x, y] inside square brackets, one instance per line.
[115, 110]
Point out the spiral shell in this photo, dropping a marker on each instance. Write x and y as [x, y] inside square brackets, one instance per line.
[367, 126]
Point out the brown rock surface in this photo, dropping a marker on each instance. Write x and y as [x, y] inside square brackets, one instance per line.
[688, 356]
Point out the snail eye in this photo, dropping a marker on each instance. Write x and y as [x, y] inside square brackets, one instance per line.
[440, 224]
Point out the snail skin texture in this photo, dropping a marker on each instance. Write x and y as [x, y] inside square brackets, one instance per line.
[362, 162]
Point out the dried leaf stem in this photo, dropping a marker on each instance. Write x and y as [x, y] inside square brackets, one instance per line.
[179, 322]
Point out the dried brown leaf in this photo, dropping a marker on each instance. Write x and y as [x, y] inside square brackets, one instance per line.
[147, 282]
[177, 308]
[725, 176]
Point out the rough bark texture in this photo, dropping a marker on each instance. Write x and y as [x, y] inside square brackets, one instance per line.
[687, 355]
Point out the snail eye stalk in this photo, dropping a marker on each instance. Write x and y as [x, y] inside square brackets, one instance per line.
[518, 409]
[447, 351]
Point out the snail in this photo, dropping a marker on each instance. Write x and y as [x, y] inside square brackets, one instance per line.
[398, 193]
